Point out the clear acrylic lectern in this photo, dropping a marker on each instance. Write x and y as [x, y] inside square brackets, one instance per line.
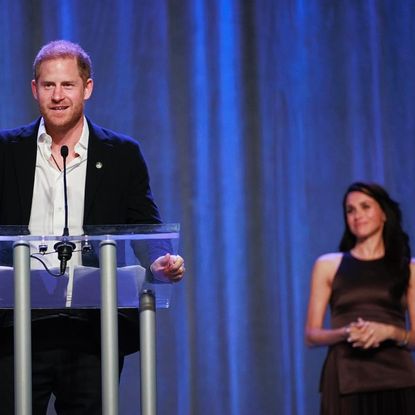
[110, 274]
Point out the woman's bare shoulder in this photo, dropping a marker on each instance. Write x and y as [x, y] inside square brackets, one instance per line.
[331, 257]
[326, 266]
[328, 263]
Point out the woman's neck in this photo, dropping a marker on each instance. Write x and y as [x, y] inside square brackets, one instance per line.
[372, 248]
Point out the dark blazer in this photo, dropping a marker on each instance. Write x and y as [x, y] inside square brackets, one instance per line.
[116, 193]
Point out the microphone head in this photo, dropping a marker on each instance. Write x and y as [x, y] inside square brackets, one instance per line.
[64, 151]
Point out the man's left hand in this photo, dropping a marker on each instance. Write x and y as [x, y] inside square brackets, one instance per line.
[168, 268]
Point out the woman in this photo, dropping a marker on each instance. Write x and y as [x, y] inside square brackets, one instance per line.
[370, 286]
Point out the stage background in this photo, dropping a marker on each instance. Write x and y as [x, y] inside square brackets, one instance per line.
[253, 116]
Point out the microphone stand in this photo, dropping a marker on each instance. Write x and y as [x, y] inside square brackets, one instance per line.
[64, 248]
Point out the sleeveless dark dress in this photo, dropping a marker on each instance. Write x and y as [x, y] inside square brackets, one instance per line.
[375, 381]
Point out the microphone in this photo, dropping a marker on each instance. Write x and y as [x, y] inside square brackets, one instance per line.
[64, 248]
[64, 154]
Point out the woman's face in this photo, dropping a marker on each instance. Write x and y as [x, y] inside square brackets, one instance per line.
[364, 215]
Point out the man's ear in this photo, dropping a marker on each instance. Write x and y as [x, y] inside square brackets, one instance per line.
[34, 89]
[89, 86]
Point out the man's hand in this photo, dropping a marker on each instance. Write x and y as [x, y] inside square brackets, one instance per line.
[168, 268]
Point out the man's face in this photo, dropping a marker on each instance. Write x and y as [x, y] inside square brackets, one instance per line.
[61, 94]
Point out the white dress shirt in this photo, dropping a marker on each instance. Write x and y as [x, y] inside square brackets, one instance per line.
[47, 215]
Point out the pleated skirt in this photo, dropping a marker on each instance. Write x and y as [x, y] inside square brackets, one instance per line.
[400, 401]
[389, 402]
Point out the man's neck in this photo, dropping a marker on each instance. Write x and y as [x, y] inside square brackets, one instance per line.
[66, 136]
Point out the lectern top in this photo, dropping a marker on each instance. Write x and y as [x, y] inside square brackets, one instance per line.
[98, 233]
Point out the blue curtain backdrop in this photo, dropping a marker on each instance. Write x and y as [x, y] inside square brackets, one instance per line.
[253, 116]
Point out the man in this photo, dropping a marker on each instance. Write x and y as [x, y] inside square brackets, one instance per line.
[108, 184]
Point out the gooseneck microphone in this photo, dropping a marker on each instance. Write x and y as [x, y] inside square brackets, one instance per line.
[64, 154]
[64, 248]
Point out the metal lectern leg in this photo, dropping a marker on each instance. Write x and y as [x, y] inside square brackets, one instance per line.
[109, 328]
[148, 353]
[22, 330]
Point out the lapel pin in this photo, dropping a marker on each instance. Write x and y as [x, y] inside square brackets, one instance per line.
[98, 165]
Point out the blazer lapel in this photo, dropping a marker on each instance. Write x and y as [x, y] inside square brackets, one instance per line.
[99, 158]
